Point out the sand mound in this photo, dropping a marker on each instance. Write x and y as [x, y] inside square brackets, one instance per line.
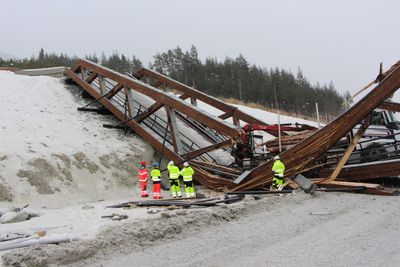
[49, 149]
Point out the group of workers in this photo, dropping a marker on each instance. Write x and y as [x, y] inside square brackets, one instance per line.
[187, 175]
[174, 174]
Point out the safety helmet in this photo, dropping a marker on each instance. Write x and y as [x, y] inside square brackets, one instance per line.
[171, 162]
[276, 157]
[155, 164]
[185, 164]
[143, 163]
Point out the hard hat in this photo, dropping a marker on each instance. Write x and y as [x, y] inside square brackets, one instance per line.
[155, 164]
[143, 163]
[185, 164]
[276, 157]
[171, 162]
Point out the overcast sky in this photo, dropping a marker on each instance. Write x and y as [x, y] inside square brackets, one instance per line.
[339, 41]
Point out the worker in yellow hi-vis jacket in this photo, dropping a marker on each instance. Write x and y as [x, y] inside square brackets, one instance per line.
[279, 169]
[155, 175]
[174, 174]
[187, 175]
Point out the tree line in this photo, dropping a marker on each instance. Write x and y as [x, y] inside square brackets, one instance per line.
[233, 77]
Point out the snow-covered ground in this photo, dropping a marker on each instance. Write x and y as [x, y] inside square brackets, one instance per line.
[59, 160]
[50, 149]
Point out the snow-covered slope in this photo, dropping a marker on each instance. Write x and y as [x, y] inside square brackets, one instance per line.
[50, 150]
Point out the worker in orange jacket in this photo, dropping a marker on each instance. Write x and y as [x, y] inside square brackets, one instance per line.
[142, 175]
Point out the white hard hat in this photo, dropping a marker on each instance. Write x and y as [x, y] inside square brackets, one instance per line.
[276, 157]
[171, 162]
[185, 164]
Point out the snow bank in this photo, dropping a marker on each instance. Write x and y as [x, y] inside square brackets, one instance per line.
[51, 152]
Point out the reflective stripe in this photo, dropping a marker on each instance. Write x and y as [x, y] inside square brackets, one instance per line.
[142, 174]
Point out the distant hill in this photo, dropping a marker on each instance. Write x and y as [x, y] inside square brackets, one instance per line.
[7, 56]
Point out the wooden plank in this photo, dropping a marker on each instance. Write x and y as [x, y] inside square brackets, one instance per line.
[206, 149]
[242, 177]
[345, 184]
[153, 108]
[127, 102]
[92, 77]
[391, 106]
[348, 151]
[380, 169]
[118, 87]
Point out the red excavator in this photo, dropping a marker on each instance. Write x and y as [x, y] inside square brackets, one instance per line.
[246, 150]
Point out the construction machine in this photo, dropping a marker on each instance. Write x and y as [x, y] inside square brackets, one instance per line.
[251, 150]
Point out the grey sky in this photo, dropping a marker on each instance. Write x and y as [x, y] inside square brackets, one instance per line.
[342, 41]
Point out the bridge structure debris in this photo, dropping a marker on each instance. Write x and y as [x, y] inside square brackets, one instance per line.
[304, 155]
[165, 113]
[172, 124]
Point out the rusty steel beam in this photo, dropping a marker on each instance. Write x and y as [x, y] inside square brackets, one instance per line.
[304, 153]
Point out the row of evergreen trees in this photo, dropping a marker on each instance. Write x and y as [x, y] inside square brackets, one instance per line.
[233, 77]
[237, 78]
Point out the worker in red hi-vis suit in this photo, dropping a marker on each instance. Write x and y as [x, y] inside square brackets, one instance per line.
[142, 175]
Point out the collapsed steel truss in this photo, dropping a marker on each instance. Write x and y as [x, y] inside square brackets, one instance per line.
[178, 129]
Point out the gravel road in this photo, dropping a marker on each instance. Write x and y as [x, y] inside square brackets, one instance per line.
[328, 229]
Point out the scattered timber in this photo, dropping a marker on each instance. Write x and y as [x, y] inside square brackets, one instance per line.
[179, 203]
